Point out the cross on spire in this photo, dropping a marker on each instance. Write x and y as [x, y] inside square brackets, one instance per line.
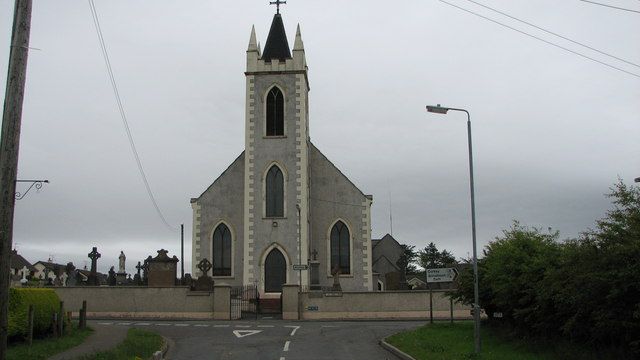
[277, 4]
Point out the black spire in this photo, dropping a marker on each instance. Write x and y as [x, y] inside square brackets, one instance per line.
[277, 46]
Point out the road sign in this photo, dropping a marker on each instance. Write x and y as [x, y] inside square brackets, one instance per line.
[441, 275]
[297, 267]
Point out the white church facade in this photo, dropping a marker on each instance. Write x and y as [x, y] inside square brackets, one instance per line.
[281, 202]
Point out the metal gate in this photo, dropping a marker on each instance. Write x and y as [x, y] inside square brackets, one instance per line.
[245, 302]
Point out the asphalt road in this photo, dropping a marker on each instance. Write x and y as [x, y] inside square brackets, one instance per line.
[273, 339]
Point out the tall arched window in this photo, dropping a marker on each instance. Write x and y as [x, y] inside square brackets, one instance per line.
[340, 251]
[275, 192]
[222, 251]
[275, 112]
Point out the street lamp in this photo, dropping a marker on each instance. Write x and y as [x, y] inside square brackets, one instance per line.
[476, 306]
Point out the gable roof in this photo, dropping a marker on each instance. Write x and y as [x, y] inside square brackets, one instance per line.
[370, 197]
[385, 259]
[277, 46]
[18, 262]
[219, 177]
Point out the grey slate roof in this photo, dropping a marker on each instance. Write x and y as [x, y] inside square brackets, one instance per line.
[277, 46]
[18, 262]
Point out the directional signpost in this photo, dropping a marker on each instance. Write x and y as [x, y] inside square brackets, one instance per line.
[441, 275]
[438, 276]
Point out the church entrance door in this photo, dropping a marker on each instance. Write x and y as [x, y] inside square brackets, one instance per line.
[275, 271]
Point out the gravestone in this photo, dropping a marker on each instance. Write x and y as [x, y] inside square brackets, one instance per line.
[336, 279]
[121, 276]
[137, 279]
[72, 275]
[204, 281]
[163, 269]
[24, 280]
[314, 266]
[111, 280]
[94, 255]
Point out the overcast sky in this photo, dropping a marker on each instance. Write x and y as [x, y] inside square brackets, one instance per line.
[552, 131]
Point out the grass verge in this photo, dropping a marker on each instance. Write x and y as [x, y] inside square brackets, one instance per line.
[445, 341]
[137, 344]
[44, 348]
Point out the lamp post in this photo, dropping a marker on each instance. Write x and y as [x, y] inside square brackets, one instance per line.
[476, 306]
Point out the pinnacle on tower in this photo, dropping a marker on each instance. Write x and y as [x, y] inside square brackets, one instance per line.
[298, 44]
[252, 40]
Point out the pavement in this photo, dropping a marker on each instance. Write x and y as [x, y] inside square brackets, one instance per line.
[253, 339]
[103, 338]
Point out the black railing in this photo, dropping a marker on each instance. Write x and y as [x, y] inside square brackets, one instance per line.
[245, 302]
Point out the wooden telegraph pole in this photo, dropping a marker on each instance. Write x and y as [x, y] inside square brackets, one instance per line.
[9, 145]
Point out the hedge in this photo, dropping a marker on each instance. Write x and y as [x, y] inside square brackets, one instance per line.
[45, 302]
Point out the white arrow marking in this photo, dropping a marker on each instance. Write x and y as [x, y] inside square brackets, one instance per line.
[243, 333]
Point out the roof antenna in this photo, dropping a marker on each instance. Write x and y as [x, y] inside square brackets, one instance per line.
[277, 4]
[390, 210]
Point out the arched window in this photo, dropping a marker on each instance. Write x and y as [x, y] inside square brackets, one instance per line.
[340, 252]
[275, 192]
[275, 112]
[222, 251]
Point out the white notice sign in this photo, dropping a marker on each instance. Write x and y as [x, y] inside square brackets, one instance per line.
[441, 275]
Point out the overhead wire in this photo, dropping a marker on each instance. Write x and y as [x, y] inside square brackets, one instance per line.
[105, 55]
[541, 39]
[610, 6]
[553, 33]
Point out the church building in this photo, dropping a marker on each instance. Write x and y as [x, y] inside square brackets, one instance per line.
[281, 202]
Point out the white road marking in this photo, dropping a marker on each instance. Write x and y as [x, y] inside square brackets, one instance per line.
[181, 325]
[243, 326]
[163, 324]
[286, 346]
[267, 317]
[143, 324]
[124, 323]
[329, 326]
[281, 357]
[243, 333]
[295, 328]
[265, 326]
[201, 325]
[220, 325]
[105, 323]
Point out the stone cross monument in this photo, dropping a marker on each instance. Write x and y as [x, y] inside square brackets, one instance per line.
[94, 255]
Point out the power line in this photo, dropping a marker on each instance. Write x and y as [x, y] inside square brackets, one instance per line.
[112, 79]
[553, 33]
[610, 6]
[540, 39]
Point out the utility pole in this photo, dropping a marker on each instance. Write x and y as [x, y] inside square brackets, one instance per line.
[182, 254]
[9, 145]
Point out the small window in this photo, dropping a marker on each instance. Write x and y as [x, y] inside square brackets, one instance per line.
[340, 252]
[222, 251]
[275, 192]
[275, 112]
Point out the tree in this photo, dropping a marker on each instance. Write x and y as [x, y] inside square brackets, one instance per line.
[407, 259]
[430, 257]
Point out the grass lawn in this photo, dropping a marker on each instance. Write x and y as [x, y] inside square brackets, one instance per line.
[446, 341]
[44, 348]
[138, 344]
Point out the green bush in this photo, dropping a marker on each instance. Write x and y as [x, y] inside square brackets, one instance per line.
[45, 302]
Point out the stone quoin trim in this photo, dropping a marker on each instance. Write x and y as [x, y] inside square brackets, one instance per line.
[195, 237]
[367, 253]
[302, 187]
[248, 273]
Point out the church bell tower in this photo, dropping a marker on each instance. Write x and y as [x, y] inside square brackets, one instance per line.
[276, 181]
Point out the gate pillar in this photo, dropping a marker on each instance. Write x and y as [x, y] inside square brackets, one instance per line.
[222, 302]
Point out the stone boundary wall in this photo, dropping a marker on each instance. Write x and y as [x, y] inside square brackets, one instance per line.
[380, 305]
[133, 302]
